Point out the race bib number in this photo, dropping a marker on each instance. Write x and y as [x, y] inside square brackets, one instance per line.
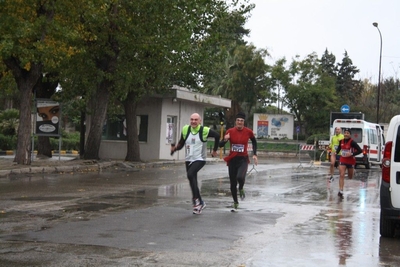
[237, 148]
[346, 153]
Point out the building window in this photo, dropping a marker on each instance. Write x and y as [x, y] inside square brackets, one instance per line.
[171, 130]
[115, 129]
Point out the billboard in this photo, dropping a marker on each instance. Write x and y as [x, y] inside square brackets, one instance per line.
[273, 126]
[48, 114]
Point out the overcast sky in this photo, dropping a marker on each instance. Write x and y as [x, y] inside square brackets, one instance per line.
[299, 27]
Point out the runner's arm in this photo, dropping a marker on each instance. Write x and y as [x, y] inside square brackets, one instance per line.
[356, 147]
[216, 136]
[180, 144]
[254, 143]
[223, 142]
[338, 148]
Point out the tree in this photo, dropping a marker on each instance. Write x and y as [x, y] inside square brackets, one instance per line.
[243, 79]
[366, 103]
[390, 97]
[310, 94]
[348, 88]
[328, 64]
[33, 41]
[280, 79]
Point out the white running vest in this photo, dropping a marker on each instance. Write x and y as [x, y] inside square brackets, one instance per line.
[195, 149]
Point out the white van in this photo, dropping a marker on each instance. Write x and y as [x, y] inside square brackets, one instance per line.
[390, 183]
[369, 137]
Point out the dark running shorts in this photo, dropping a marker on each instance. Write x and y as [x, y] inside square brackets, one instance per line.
[348, 166]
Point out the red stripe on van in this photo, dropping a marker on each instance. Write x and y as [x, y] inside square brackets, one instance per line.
[373, 152]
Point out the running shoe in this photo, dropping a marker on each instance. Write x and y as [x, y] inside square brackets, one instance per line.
[203, 205]
[197, 209]
[242, 194]
[235, 205]
[331, 179]
[340, 194]
[196, 202]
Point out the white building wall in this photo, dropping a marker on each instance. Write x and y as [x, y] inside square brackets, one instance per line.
[156, 147]
[153, 108]
[148, 150]
[182, 110]
[181, 103]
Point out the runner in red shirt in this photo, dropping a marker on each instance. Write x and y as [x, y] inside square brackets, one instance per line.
[238, 158]
[349, 149]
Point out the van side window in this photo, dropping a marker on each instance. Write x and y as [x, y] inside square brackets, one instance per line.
[373, 135]
[397, 148]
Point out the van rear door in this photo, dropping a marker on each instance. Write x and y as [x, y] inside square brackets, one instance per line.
[381, 143]
[375, 148]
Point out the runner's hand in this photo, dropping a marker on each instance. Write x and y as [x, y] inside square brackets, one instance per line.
[226, 137]
[255, 160]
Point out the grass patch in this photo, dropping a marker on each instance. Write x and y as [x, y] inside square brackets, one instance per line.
[268, 146]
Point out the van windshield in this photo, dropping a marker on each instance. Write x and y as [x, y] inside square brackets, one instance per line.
[397, 148]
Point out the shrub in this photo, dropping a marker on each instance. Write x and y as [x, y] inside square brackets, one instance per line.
[316, 137]
[8, 142]
[9, 121]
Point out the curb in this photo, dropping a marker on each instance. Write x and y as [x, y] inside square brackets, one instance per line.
[62, 152]
[59, 169]
[90, 166]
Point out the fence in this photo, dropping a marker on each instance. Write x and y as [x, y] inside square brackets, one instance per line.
[307, 154]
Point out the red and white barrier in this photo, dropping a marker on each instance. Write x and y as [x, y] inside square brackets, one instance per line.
[307, 147]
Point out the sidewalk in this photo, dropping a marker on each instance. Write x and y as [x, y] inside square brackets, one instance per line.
[56, 164]
[70, 163]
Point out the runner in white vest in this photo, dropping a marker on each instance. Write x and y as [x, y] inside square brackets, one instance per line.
[194, 140]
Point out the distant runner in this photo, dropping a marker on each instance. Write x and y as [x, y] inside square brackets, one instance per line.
[349, 149]
[335, 140]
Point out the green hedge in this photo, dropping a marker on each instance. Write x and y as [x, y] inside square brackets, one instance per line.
[66, 143]
[8, 142]
[69, 141]
[269, 146]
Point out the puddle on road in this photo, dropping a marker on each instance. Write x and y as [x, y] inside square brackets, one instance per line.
[37, 198]
[88, 207]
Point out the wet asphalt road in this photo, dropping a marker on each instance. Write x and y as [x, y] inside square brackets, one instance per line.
[128, 217]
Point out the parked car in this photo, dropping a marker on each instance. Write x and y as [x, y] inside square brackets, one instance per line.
[390, 183]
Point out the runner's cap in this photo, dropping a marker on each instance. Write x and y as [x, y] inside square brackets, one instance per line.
[347, 130]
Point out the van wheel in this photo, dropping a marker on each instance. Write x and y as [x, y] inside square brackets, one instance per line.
[387, 227]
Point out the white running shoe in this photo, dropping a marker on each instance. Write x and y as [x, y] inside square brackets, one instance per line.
[197, 209]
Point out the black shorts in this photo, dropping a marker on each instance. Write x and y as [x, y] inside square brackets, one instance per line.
[348, 166]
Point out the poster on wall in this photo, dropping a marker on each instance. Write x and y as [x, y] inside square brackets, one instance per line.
[273, 126]
[170, 133]
[47, 117]
[262, 126]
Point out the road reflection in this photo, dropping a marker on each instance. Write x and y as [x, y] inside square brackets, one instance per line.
[343, 237]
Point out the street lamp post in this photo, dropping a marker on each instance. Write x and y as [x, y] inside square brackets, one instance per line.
[379, 76]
